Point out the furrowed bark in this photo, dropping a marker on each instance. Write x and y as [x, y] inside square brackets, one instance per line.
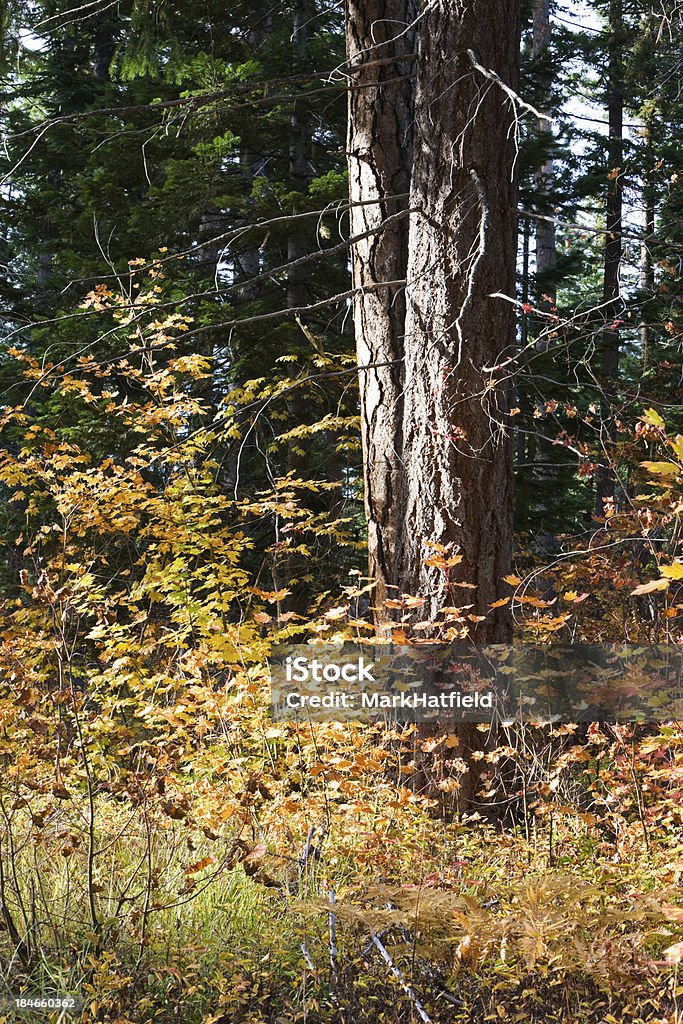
[456, 454]
[380, 44]
[436, 438]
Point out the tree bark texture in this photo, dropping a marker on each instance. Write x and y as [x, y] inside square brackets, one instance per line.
[456, 450]
[380, 50]
[436, 435]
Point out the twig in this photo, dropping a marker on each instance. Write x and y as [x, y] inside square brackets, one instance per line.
[422, 1013]
[307, 958]
[333, 935]
[306, 852]
[513, 96]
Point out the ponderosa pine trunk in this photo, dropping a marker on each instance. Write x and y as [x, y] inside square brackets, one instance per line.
[380, 44]
[436, 432]
[456, 464]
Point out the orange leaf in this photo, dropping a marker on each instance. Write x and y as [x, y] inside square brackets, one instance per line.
[536, 602]
[269, 595]
[199, 865]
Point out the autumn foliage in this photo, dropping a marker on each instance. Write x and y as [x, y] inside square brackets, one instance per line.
[168, 849]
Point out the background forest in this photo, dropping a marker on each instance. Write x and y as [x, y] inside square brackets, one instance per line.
[198, 303]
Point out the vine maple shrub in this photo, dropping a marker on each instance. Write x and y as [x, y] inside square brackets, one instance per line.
[324, 327]
[145, 790]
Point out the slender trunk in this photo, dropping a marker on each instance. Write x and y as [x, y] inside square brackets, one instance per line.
[457, 453]
[104, 50]
[613, 249]
[647, 268]
[297, 243]
[520, 434]
[380, 47]
[546, 256]
[247, 261]
[299, 146]
[298, 460]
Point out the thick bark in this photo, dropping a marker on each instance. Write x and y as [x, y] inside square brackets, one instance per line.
[456, 464]
[380, 44]
[436, 443]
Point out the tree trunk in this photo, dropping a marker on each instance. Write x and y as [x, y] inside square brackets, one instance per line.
[380, 46]
[297, 241]
[298, 293]
[456, 456]
[647, 268]
[299, 147]
[436, 437]
[546, 256]
[613, 250]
